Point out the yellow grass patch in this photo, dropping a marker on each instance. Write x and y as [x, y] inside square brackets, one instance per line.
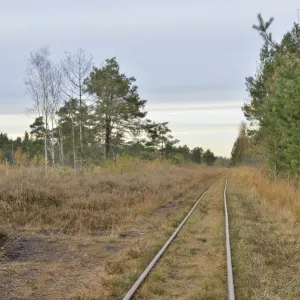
[282, 195]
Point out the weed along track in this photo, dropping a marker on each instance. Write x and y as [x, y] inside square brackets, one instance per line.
[192, 262]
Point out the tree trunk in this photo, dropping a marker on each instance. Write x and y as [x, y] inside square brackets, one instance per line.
[107, 138]
[61, 147]
[46, 141]
[74, 150]
[45, 149]
[52, 151]
[80, 127]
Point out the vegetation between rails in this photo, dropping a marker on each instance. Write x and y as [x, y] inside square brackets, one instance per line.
[194, 266]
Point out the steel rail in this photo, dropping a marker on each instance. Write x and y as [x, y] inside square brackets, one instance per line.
[142, 277]
[228, 251]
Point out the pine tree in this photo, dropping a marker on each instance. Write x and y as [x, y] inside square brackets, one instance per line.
[208, 157]
[118, 107]
[274, 105]
[197, 155]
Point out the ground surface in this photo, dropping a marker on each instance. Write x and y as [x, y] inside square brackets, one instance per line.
[194, 265]
[131, 215]
[47, 263]
[265, 248]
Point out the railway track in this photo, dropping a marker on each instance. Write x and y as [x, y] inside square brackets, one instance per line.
[129, 295]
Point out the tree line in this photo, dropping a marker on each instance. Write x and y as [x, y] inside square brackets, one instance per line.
[88, 115]
[273, 111]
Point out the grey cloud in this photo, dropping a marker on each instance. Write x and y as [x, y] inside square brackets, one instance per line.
[193, 107]
[180, 52]
[9, 105]
[166, 45]
[206, 127]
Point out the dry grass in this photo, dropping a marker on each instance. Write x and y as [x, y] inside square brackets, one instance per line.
[125, 267]
[88, 236]
[194, 265]
[94, 202]
[282, 195]
[265, 247]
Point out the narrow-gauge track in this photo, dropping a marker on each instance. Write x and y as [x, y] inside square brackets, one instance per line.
[154, 261]
[231, 295]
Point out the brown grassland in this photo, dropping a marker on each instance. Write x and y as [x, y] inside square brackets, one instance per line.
[88, 236]
[265, 235]
[281, 195]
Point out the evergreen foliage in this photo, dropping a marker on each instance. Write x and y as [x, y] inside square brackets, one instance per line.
[274, 107]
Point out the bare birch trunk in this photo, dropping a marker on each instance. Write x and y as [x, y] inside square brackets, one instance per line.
[61, 147]
[45, 149]
[73, 141]
[51, 144]
[80, 133]
[52, 151]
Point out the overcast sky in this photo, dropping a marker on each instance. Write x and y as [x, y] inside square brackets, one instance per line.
[190, 57]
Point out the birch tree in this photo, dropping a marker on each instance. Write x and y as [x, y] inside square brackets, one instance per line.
[38, 83]
[55, 101]
[43, 83]
[76, 68]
